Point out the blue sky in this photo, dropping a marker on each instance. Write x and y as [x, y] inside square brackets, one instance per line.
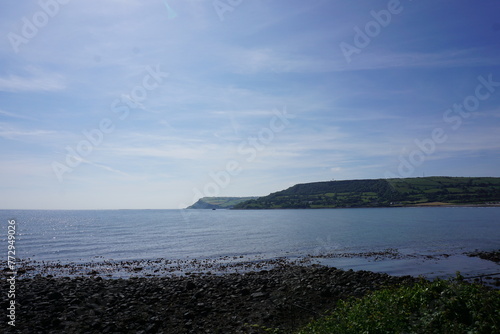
[116, 104]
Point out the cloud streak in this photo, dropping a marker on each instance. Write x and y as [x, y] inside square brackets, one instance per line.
[34, 81]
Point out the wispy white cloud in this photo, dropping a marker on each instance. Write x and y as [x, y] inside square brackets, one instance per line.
[34, 80]
[251, 61]
[9, 132]
[379, 58]
[166, 151]
[106, 168]
[13, 115]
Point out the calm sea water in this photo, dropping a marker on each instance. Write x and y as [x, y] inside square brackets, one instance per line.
[82, 236]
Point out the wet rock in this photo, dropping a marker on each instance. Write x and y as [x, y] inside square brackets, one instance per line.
[258, 295]
[190, 285]
[54, 295]
[490, 256]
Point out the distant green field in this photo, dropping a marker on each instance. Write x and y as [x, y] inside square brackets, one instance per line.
[382, 193]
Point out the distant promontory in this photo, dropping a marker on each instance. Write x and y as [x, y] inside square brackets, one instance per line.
[219, 202]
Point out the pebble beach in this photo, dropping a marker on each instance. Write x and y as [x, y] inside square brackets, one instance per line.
[285, 297]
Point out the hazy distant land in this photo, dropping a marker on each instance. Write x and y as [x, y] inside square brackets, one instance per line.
[219, 202]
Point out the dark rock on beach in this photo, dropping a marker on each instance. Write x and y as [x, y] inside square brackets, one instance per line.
[490, 256]
[285, 297]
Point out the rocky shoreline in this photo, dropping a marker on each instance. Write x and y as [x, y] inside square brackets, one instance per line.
[161, 267]
[493, 256]
[285, 297]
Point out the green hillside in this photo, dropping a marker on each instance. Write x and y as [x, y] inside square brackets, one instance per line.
[218, 202]
[435, 190]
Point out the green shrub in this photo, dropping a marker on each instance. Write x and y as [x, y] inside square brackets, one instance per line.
[426, 307]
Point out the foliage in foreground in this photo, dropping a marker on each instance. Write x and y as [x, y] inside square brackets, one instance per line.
[426, 307]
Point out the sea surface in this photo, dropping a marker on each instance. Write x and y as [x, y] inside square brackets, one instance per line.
[417, 241]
